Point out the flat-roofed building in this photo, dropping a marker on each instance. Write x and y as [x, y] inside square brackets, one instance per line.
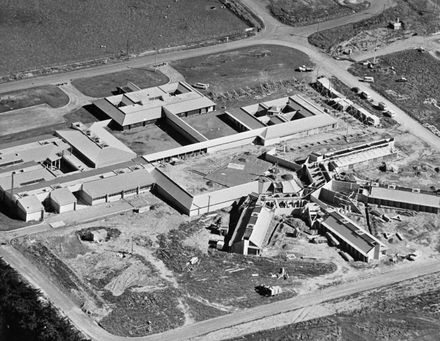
[145, 106]
[12, 181]
[404, 198]
[116, 187]
[353, 239]
[44, 149]
[95, 146]
[62, 200]
[30, 208]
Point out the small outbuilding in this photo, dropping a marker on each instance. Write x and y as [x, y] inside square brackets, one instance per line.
[30, 208]
[396, 25]
[62, 200]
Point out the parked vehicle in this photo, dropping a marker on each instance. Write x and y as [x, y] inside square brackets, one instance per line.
[366, 95]
[202, 86]
[382, 106]
[368, 79]
[304, 68]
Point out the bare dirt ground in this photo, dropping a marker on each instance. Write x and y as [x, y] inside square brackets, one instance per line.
[418, 94]
[418, 17]
[304, 12]
[405, 311]
[139, 276]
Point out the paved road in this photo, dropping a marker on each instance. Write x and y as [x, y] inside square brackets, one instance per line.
[278, 34]
[273, 30]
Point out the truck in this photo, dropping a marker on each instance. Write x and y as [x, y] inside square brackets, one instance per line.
[366, 95]
[304, 68]
[368, 79]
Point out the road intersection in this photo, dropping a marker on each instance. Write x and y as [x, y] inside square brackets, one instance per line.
[274, 33]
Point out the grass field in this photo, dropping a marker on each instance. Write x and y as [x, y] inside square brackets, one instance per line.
[418, 96]
[418, 17]
[152, 138]
[243, 68]
[48, 94]
[303, 12]
[37, 117]
[17, 125]
[211, 125]
[105, 85]
[42, 33]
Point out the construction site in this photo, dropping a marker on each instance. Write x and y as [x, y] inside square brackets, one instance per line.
[277, 199]
[275, 177]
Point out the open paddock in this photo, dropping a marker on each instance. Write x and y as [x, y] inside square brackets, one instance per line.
[82, 30]
[106, 85]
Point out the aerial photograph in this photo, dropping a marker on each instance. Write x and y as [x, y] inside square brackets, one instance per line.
[204, 170]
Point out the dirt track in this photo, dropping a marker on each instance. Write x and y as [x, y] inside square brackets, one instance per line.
[219, 328]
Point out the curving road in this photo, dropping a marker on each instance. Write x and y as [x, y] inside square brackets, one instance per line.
[277, 34]
[200, 329]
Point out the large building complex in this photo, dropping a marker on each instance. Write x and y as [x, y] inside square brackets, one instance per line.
[87, 165]
[140, 107]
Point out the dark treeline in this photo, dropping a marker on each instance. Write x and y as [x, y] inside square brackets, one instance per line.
[25, 317]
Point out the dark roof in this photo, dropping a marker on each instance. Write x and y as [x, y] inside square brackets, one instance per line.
[357, 237]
